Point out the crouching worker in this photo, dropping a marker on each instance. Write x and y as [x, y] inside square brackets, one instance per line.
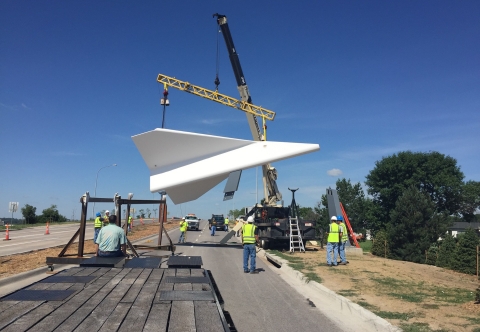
[111, 240]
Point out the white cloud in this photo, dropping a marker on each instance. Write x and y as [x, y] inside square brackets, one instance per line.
[334, 172]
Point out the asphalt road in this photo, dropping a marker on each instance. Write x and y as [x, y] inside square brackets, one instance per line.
[258, 302]
[261, 302]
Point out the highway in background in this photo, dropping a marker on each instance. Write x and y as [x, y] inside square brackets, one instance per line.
[34, 238]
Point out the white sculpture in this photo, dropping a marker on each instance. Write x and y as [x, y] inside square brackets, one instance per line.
[187, 165]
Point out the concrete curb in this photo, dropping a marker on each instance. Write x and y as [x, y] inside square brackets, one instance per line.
[335, 306]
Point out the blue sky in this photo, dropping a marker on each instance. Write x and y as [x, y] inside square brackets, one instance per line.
[364, 79]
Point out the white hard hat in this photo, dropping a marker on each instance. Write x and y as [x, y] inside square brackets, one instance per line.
[250, 219]
[107, 211]
[333, 218]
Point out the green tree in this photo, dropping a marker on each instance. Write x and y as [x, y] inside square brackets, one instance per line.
[28, 213]
[51, 215]
[465, 254]
[431, 256]
[353, 200]
[433, 173]
[470, 200]
[235, 213]
[445, 251]
[323, 219]
[148, 213]
[414, 226]
[380, 245]
[307, 213]
[142, 213]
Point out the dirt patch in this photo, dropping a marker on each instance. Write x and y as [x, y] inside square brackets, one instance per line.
[416, 297]
[14, 264]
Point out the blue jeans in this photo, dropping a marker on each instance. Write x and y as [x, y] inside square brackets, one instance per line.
[226, 227]
[182, 237]
[341, 249]
[117, 253]
[249, 251]
[97, 230]
[212, 232]
[332, 246]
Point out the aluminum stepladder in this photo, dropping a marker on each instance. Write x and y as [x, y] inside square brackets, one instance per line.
[296, 241]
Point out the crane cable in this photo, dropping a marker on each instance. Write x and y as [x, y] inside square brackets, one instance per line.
[217, 80]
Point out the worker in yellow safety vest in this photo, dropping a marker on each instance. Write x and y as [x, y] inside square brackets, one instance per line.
[343, 241]
[129, 223]
[226, 224]
[98, 223]
[183, 231]
[334, 236]
[249, 238]
[105, 219]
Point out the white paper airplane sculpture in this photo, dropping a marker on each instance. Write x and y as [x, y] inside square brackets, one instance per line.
[187, 165]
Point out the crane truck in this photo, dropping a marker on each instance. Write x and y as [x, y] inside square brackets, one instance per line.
[271, 217]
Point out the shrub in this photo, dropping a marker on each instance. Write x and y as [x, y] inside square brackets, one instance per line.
[465, 254]
[431, 256]
[380, 244]
[445, 252]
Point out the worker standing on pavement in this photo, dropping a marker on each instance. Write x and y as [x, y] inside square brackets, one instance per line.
[105, 219]
[343, 240]
[334, 237]
[249, 239]
[226, 224]
[98, 223]
[129, 223]
[111, 240]
[213, 227]
[183, 231]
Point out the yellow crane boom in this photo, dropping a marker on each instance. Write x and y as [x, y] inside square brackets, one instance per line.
[216, 96]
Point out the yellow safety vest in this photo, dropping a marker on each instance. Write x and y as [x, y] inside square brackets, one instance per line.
[183, 226]
[130, 219]
[333, 233]
[248, 231]
[226, 221]
[98, 223]
[344, 232]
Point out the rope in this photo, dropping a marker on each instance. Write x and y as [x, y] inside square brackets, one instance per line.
[217, 80]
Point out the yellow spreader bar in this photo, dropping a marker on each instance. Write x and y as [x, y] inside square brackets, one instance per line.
[216, 96]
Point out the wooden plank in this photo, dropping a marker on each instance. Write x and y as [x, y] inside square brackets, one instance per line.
[84, 311]
[158, 318]
[164, 286]
[14, 312]
[26, 321]
[183, 273]
[116, 318]
[182, 317]
[197, 273]
[137, 286]
[101, 313]
[138, 313]
[51, 322]
[156, 276]
[207, 317]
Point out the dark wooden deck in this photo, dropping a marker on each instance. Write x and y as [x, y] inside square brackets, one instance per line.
[116, 299]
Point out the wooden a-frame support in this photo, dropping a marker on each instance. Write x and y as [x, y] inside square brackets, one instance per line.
[80, 233]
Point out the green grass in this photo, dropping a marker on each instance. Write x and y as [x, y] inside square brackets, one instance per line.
[394, 315]
[475, 320]
[418, 327]
[453, 295]
[348, 292]
[414, 298]
[311, 276]
[366, 245]
[367, 305]
[430, 306]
